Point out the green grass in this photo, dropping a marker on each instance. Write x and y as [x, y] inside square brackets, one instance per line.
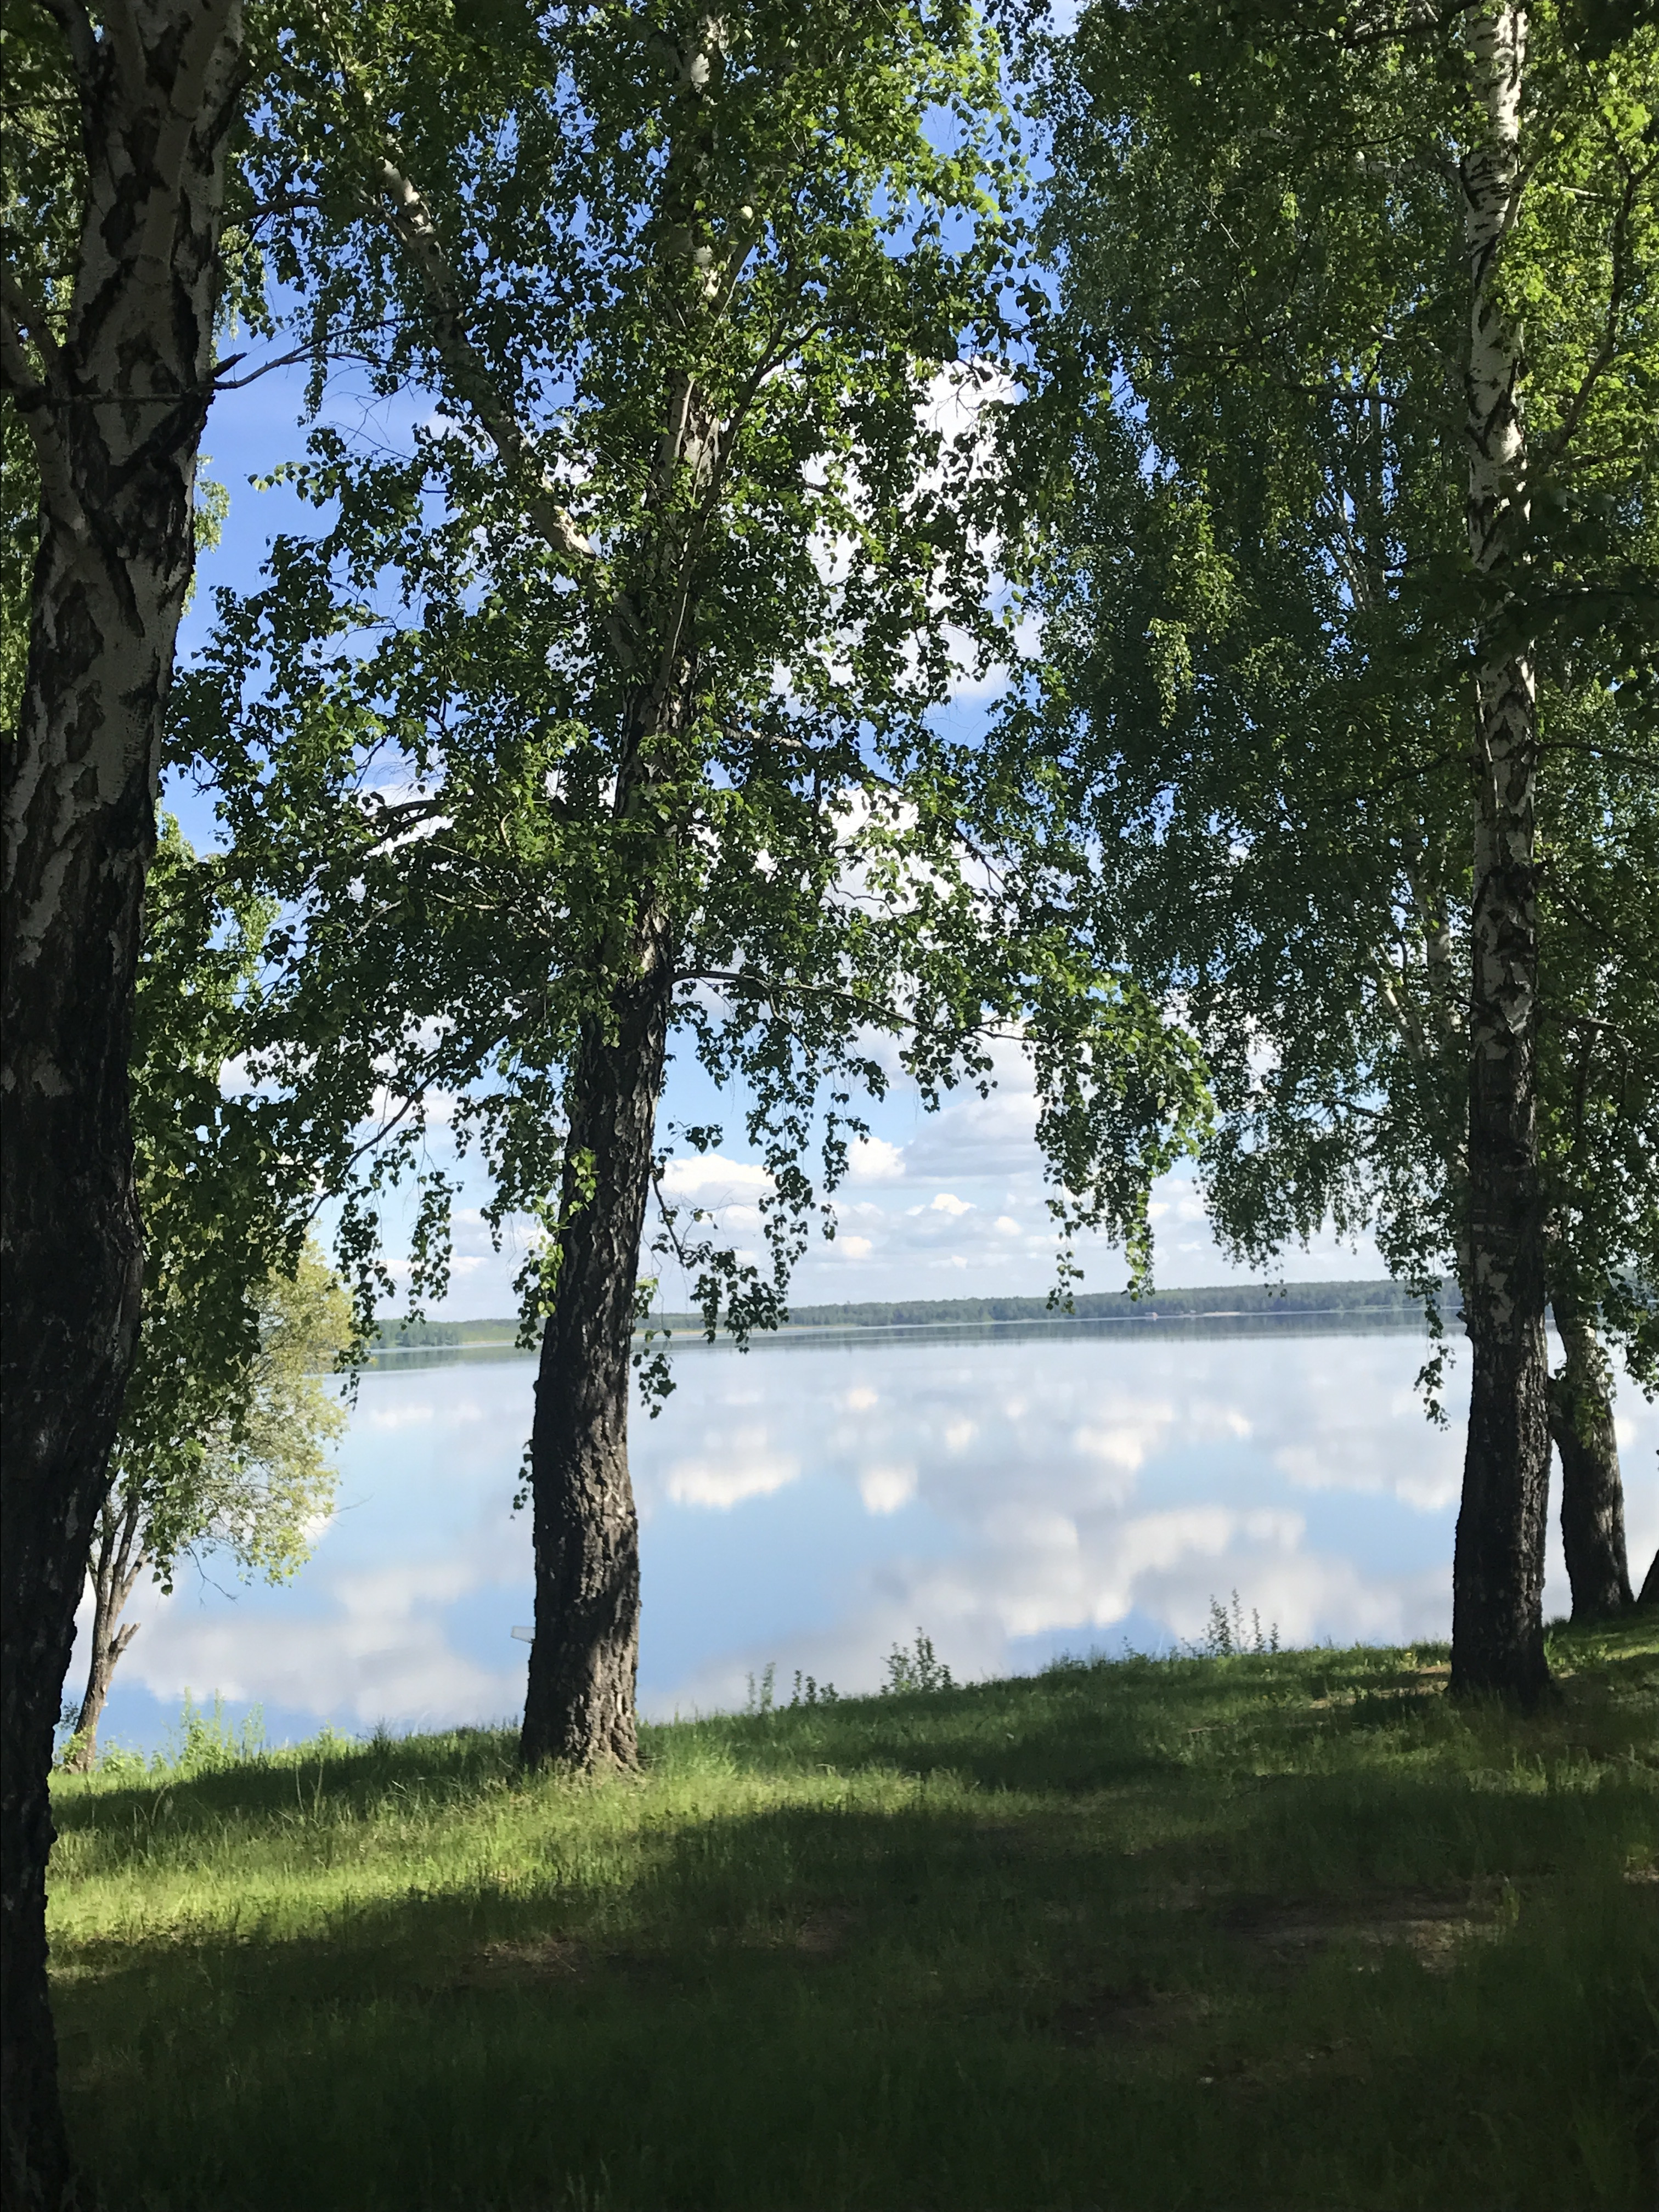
[1280, 1930]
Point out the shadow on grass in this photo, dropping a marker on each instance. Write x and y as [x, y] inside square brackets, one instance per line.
[1134, 1940]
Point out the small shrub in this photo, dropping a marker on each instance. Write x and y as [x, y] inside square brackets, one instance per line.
[921, 1669]
[206, 1741]
[808, 1691]
[1226, 1636]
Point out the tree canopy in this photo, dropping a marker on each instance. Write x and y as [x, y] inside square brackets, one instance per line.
[243, 1471]
[601, 712]
[1247, 457]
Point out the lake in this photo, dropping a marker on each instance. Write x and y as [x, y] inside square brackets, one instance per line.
[1016, 1492]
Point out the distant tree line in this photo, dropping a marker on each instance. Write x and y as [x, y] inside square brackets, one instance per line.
[1389, 1300]
[393, 1335]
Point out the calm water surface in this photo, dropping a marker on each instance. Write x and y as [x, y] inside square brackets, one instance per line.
[1016, 1493]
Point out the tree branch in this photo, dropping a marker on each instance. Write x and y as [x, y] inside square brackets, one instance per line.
[23, 317]
[891, 1017]
[1563, 437]
[1403, 1014]
[125, 40]
[73, 20]
[410, 222]
[220, 382]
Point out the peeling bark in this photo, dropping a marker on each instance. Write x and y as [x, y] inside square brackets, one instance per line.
[1497, 1618]
[115, 403]
[1592, 1492]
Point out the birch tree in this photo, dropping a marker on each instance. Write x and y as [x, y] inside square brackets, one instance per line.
[600, 715]
[114, 192]
[240, 1469]
[1280, 578]
[1498, 1578]
[224, 1419]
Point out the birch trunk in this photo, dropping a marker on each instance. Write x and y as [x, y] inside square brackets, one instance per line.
[1497, 1621]
[115, 402]
[584, 1657]
[116, 1569]
[1592, 1492]
[579, 1702]
[579, 1699]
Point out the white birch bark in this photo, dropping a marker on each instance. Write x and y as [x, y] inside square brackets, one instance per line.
[115, 396]
[1498, 1579]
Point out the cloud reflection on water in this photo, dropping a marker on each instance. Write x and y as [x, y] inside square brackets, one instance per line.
[813, 1503]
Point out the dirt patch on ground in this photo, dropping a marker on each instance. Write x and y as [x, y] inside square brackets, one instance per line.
[539, 1959]
[823, 1933]
[1109, 2014]
[1433, 1929]
[1332, 2061]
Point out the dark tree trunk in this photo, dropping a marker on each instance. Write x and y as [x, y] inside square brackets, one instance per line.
[1498, 1587]
[1498, 1576]
[114, 1571]
[1592, 1493]
[578, 1704]
[1649, 1593]
[116, 404]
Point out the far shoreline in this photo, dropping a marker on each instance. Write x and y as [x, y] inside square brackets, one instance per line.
[1300, 1309]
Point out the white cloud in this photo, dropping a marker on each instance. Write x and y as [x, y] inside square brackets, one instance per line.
[1125, 1447]
[725, 1483]
[709, 1178]
[398, 1417]
[855, 1248]
[872, 1159]
[946, 1202]
[885, 1489]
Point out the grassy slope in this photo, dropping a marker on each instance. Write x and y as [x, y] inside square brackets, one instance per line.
[1279, 1930]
